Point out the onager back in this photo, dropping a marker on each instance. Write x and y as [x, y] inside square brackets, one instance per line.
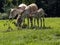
[31, 9]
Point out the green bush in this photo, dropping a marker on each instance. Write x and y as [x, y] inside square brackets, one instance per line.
[3, 16]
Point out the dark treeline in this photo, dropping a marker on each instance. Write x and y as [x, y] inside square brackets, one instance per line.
[51, 7]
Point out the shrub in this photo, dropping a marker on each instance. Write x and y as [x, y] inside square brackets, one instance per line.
[3, 16]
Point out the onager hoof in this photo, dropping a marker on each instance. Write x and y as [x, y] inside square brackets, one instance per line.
[24, 25]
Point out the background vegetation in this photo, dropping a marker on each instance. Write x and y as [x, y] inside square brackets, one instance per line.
[51, 7]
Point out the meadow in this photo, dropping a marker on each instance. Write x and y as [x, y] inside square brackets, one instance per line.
[48, 36]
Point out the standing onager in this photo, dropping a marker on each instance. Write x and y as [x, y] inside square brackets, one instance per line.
[29, 11]
[17, 12]
[39, 15]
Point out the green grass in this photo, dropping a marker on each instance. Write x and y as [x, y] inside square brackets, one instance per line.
[30, 36]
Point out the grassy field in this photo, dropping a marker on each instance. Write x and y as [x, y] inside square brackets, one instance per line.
[48, 36]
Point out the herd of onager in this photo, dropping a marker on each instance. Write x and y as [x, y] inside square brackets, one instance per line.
[28, 11]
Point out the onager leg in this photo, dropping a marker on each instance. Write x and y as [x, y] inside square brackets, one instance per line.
[31, 21]
[34, 21]
[23, 21]
[19, 21]
[43, 21]
[28, 21]
[38, 22]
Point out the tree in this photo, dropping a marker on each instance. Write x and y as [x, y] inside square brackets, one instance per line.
[28, 1]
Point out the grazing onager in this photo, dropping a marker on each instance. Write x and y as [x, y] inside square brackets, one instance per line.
[40, 15]
[17, 11]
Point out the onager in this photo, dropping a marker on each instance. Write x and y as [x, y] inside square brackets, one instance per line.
[17, 11]
[39, 15]
[29, 11]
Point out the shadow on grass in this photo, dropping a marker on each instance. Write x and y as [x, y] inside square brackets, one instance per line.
[27, 28]
[37, 28]
[9, 29]
[47, 27]
[57, 34]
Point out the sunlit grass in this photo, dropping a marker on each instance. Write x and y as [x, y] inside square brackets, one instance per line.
[30, 36]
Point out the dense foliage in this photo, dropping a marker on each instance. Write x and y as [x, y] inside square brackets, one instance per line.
[51, 7]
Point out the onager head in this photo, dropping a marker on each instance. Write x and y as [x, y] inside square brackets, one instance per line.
[13, 13]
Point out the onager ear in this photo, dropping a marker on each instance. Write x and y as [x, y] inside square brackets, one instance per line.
[12, 10]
